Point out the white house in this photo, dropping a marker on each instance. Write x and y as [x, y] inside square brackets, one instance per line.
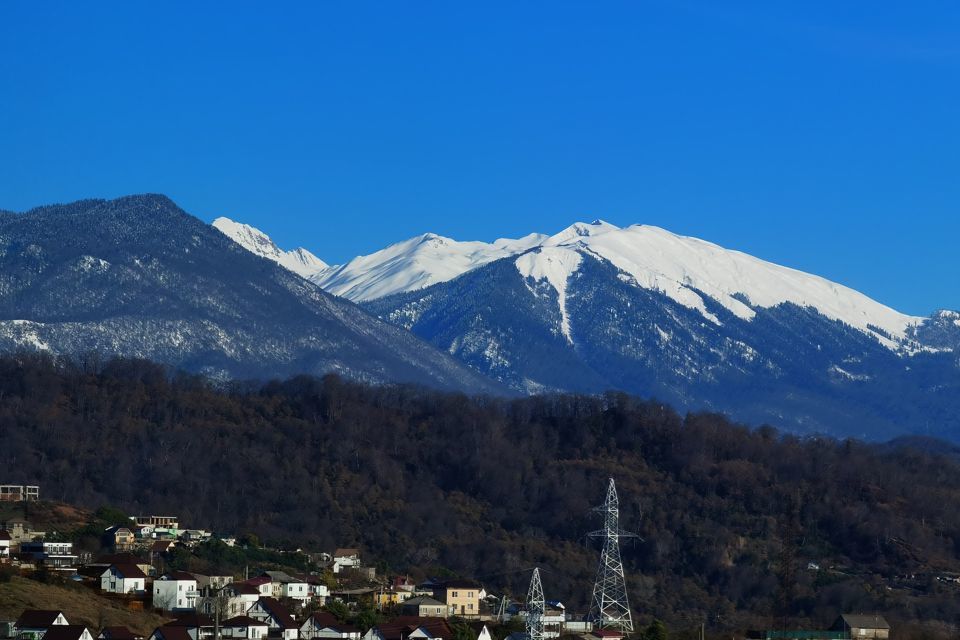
[318, 591]
[4, 545]
[345, 559]
[263, 584]
[175, 591]
[244, 627]
[240, 597]
[325, 625]
[217, 582]
[283, 585]
[123, 578]
[34, 623]
[411, 628]
[68, 632]
[277, 617]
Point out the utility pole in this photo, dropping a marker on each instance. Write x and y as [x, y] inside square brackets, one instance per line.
[610, 608]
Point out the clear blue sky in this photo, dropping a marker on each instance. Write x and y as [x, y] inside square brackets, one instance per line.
[820, 135]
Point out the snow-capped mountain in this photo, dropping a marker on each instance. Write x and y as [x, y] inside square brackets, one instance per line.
[299, 260]
[414, 264]
[596, 307]
[138, 277]
[687, 270]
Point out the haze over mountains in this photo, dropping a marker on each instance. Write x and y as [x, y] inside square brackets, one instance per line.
[596, 307]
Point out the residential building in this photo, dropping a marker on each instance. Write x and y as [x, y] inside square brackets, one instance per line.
[123, 578]
[278, 618]
[263, 584]
[165, 522]
[176, 591]
[122, 539]
[19, 492]
[424, 607]
[198, 627]
[240, 597]
[325, 625]
[411, 628]
[68, 632]
[863, 626]
[34, 623]
[345, 559]
[5, 542]
[171, 632]
[390, 596]
[284, 585]
[118, 633]
[318, 589]
[58, 556]
[462, 597]
[20, 531]
[243, 627]
[214, 582]
[403, 583]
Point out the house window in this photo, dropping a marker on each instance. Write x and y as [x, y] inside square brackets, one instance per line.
[454, 594]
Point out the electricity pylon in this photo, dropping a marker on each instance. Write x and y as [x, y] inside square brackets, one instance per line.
[610, 608]
[535, 607]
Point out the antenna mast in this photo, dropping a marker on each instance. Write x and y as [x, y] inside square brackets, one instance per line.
[610, 608]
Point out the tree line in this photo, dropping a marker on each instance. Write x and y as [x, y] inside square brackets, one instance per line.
[738, 527]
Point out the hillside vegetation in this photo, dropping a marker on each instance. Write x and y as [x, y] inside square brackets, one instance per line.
[80, 604]
[740, 528]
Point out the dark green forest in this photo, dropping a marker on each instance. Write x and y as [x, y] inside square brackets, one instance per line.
[739, 527]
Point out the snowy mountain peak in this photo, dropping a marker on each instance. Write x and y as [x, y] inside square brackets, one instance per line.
[416, 263]
[300, 261]
[580, 230]
[693, 272]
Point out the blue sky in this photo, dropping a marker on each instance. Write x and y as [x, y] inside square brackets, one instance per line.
[820, 135]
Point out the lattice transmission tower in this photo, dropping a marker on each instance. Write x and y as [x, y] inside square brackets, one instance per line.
[535, 607]
[610, 608]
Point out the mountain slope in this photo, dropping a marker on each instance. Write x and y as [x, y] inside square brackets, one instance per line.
[413, 264]
[596, 307]
[543, 321]
[139, 277]
[299, 260]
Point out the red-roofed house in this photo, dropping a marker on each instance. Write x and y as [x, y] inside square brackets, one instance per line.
[244, 627]
[123, 578]
[118, 633]
[411, 628]
[171, 632]
[263, 584]
[68, 632]
[280, 620]
[34, 623]
[241, 597]
[326, 625]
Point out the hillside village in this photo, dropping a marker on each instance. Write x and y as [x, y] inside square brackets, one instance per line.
[296, 595]
[327, 597]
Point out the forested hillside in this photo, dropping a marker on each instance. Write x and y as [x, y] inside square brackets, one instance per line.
[731, 519]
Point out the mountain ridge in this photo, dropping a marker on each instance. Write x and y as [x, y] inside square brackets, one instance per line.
[139, 277]
[639, 309]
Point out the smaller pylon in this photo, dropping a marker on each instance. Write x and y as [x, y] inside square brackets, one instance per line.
[535, 607]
